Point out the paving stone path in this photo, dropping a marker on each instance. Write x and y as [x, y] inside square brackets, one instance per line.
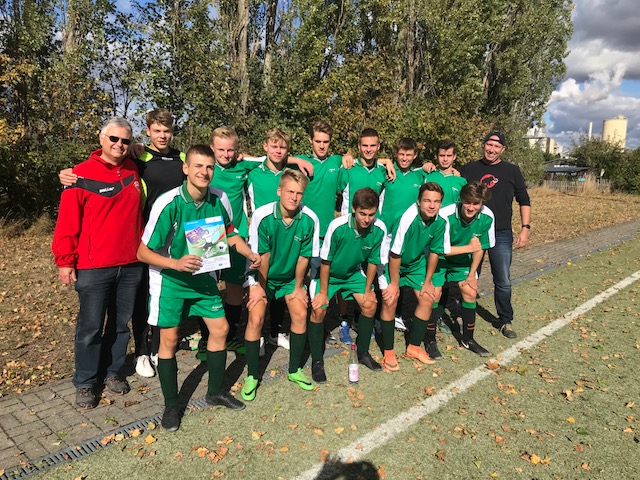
[44, 420]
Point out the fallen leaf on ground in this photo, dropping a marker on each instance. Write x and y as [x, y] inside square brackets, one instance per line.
[492, 365]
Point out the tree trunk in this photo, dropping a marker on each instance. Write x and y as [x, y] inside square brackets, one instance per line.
[270, 40]
[411, 47]
[242, 42]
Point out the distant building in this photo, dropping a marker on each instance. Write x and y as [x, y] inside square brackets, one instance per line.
[614, 131]
[537, 138]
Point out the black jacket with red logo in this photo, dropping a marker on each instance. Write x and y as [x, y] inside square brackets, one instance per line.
[505, 181]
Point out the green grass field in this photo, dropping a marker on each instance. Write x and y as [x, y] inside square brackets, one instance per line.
[566, 408]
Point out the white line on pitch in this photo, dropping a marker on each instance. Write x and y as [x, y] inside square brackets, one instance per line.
[390, 429]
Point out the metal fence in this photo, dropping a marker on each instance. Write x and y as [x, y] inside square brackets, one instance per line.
[583, 185]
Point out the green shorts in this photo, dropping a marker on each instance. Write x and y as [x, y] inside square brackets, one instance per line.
[278, 289]
[448, 273]
[236, 272]
[409, 277]
[168, 311]
[355, 284]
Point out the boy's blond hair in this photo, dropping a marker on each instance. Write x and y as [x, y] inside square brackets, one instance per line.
[224, 132]
[294, 175]
[277, 135]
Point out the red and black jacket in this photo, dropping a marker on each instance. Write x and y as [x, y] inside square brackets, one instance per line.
[100, 217]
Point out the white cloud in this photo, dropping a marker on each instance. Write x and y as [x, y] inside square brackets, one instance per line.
[603, 54]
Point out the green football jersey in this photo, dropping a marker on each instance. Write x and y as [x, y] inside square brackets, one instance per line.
[460, 232]
[263, 186]
[286, 243]
[412, 235]
[165, 234]
[347, 249]
[451, 185]
[399, 194]
[319, 195]
[232, 180]
[360, 176]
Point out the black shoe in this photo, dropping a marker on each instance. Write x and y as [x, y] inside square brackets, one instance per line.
[226, 400]
[85, 398]
[171, 418]
[367, 360]
[116, 385]
[432, 350]
[317, 372]
[473, 346]
[507, 331]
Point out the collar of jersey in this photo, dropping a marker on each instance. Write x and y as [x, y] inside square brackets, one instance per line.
[231, 165]
[264, 167]
[371, 169]
[398, 170]
[354, 227]
[278, 213]
[186, 196]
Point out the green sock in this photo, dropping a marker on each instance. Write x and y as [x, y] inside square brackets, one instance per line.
[216, 362]
[365, 328]
[252, 355]
[315, 332]
[297, 342]
[418, 329]
[388, 335]
[168, 375]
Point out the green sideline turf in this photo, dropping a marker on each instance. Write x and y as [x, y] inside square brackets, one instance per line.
[498, 429]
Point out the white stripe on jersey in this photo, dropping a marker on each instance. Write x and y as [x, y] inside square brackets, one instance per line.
[224, 199]
[315, 246]
[326, 246]
[157, 208]
[386, 240]
[492, 231]
[257, 217]
[251, 198]
[345, 208]
[406, 220]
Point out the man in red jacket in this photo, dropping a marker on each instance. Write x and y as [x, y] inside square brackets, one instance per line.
[94, 244]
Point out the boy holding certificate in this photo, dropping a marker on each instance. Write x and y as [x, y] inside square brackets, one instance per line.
[175, 282]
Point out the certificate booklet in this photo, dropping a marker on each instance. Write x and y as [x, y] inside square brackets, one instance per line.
[207, 239]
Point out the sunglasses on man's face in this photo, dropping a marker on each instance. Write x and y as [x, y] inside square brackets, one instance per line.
[114, 139]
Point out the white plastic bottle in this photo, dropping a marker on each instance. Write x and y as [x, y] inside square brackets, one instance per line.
[354, 372]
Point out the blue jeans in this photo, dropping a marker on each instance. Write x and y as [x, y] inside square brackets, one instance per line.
[103, 291]
[500, 259]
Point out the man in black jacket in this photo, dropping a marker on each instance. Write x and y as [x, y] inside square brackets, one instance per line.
[506, 182]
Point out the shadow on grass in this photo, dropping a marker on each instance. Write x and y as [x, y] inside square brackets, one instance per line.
[337, 470]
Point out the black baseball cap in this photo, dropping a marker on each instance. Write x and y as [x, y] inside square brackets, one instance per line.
[495, 134]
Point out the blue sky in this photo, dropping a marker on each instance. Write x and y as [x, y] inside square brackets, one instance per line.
[603, 72]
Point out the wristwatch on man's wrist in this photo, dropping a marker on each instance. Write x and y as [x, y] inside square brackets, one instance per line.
[526, 225]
